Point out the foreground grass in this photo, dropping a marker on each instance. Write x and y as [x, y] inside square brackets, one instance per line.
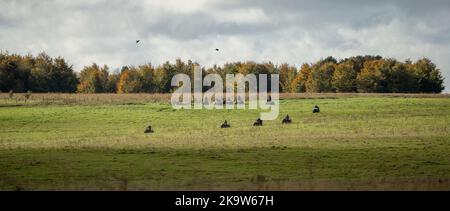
[357, 142]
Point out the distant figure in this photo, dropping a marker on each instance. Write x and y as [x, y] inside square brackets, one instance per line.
[149, 129]
[217, 49]
[137, 41]
[287, 120]
[225, 125]
[316, 109]
[258, 122]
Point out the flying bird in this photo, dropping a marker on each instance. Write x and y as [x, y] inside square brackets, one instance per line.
[217, 49]
[137, 41]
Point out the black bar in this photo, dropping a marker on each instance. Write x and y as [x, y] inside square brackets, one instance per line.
[219, 200]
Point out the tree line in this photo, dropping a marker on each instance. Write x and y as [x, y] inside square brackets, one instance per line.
[364, 74]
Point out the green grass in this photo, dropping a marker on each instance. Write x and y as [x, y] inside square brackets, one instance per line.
[357, 142]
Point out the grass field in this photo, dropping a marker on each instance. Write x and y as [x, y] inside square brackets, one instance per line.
[96, 142]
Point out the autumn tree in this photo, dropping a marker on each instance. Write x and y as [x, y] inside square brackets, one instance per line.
[358, 61]
[299, 82]
[247, 68]
[372, 77]
[130, 81]
[93, 79]
[287, 77]
[319, 80]
[43, 73]
[344, 77]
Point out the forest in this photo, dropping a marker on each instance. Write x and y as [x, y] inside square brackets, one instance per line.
[358, 74]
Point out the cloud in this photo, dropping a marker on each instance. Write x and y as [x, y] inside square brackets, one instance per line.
[261, 30]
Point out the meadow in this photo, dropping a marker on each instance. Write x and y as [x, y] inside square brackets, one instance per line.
[97, 142]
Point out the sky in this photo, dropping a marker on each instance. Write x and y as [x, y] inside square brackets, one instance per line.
[292, 31]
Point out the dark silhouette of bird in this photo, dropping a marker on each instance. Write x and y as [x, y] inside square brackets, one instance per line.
[217, 49]
[137, 41]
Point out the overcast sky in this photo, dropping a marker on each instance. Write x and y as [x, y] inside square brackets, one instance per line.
[292, 31]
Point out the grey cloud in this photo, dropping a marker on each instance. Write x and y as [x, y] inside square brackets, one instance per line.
[283, 31]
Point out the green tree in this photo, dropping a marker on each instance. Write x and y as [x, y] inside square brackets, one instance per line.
[14, 74]
[64, 78]
[111, 84]
[40, 73]
[147, 73]
[168, 71]
[401, 79]
[52, 75]
[430, 79]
